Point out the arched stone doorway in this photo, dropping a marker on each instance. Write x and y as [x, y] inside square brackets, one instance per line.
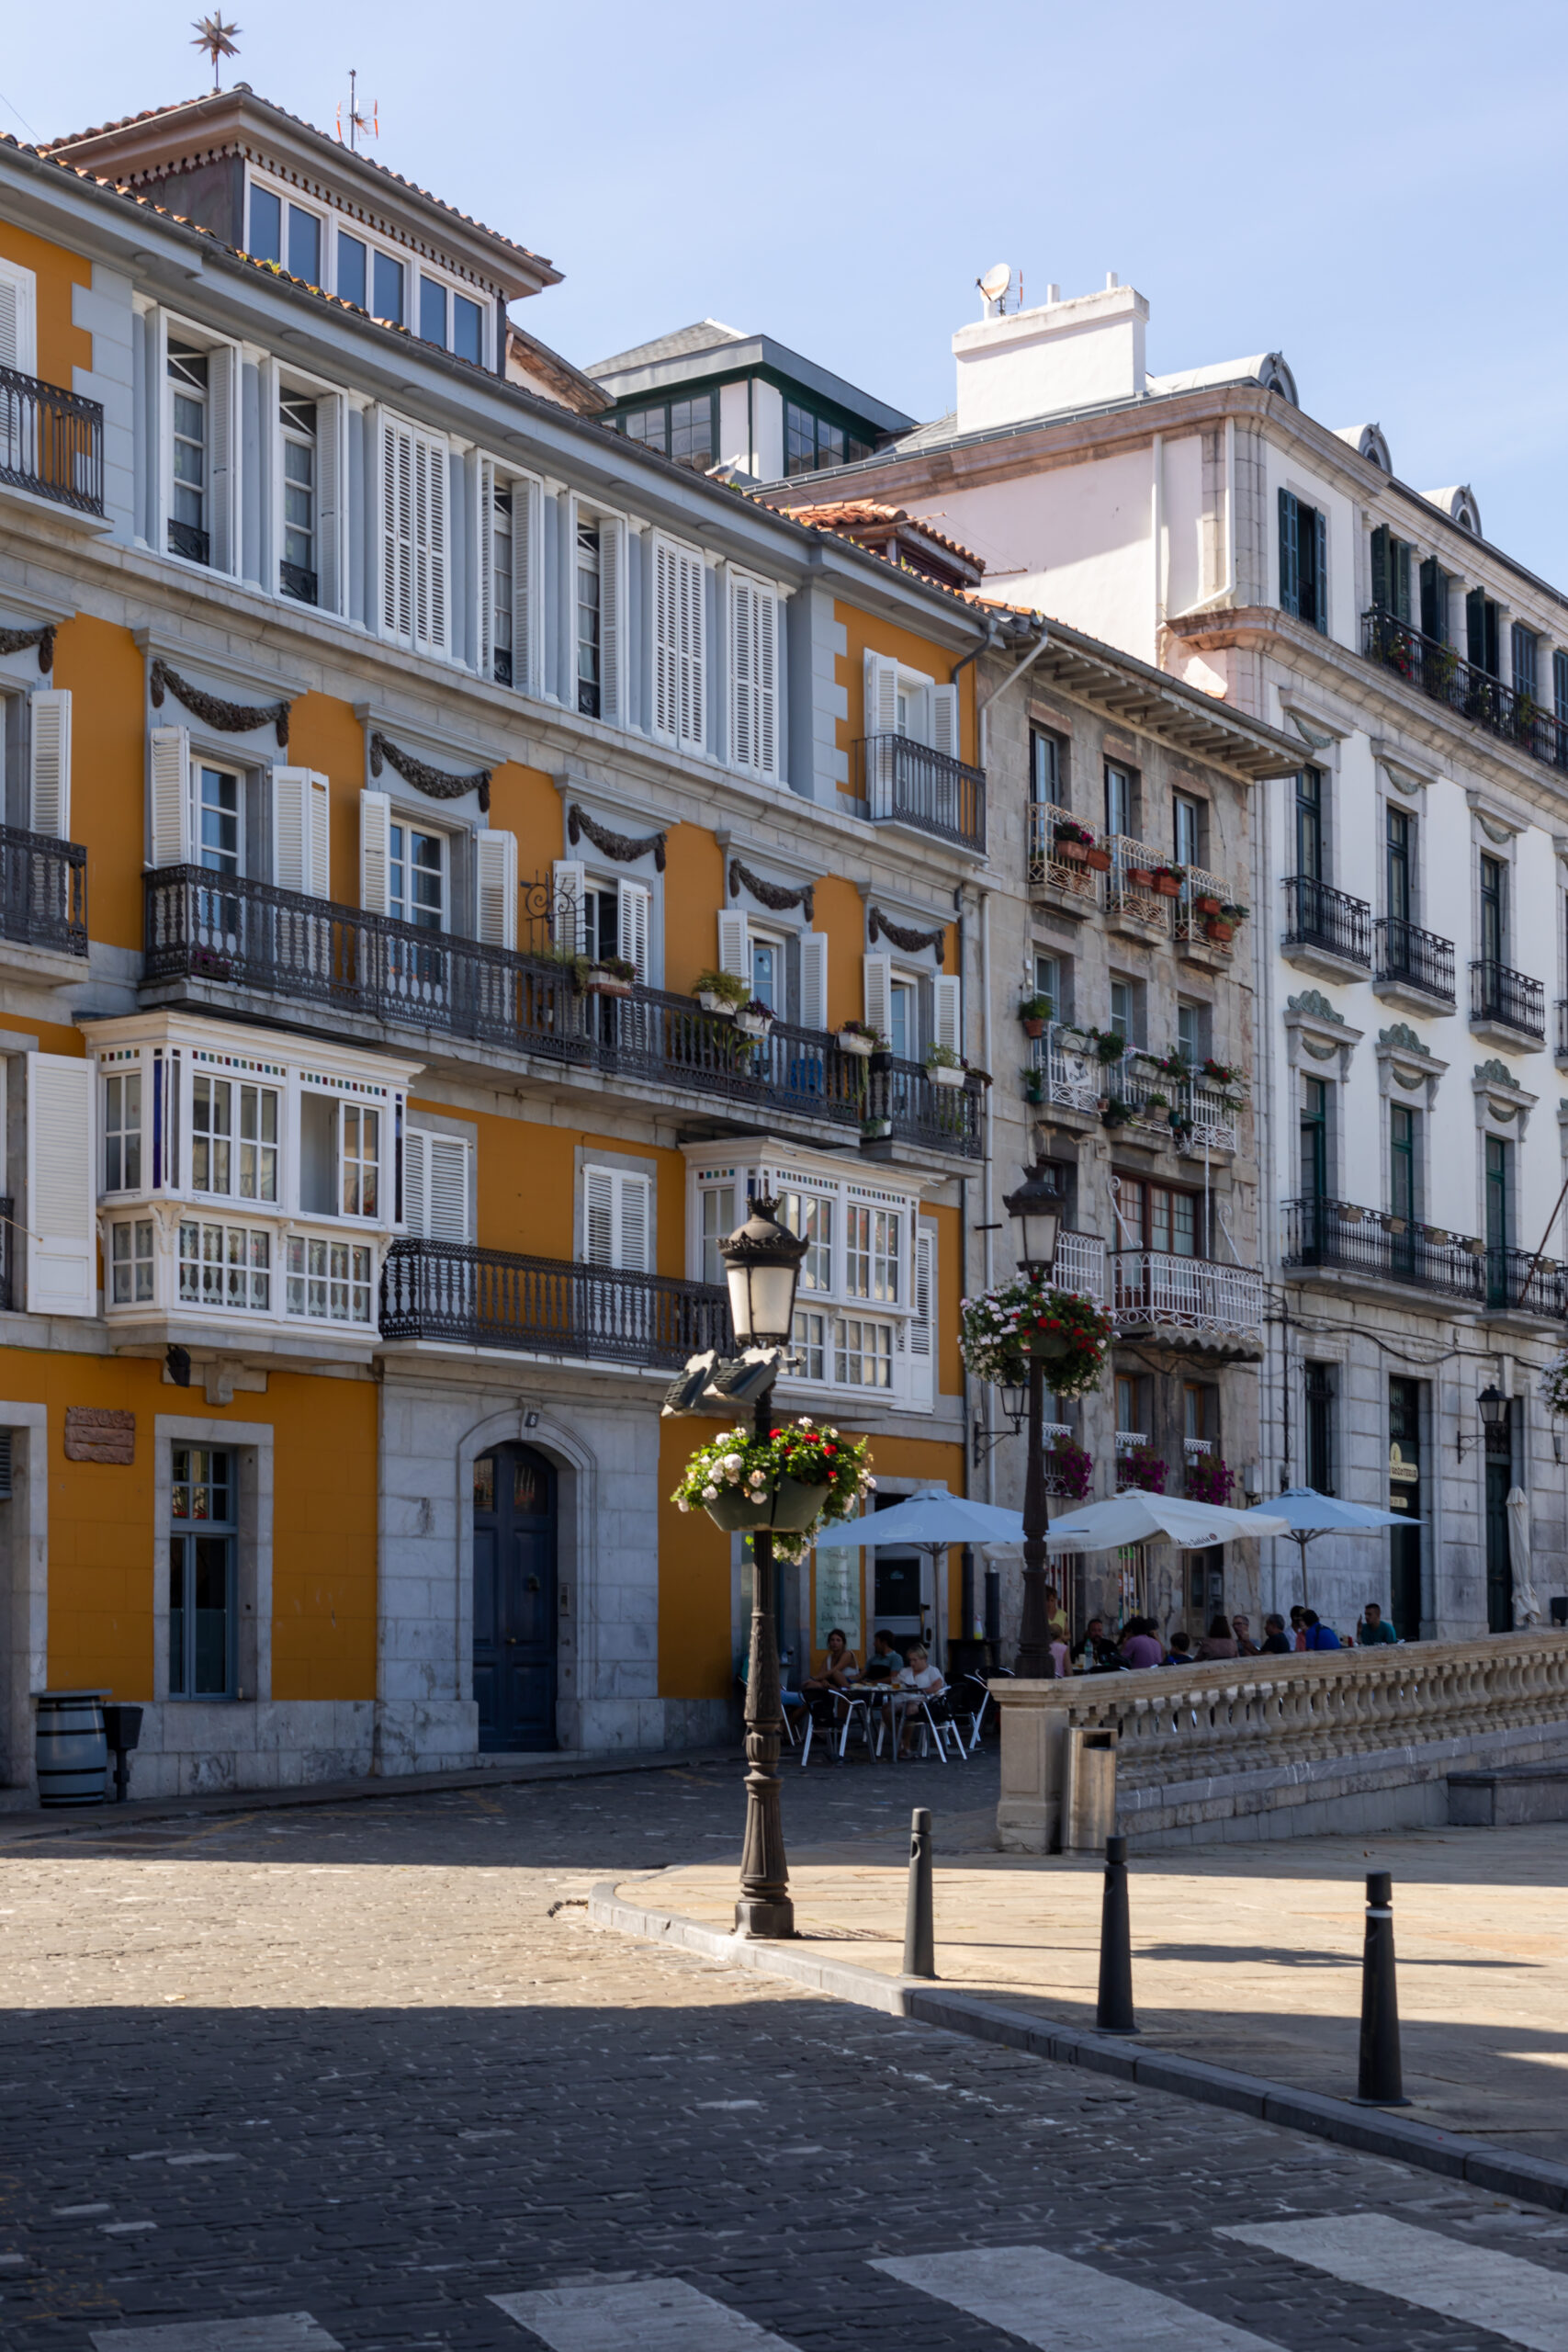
[515, 1598]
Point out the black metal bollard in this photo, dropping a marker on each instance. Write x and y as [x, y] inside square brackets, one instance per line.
[1113, 2011]
[1380, 2081]
[920, 1926]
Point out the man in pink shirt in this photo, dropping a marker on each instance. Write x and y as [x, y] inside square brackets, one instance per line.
[1140, 1644]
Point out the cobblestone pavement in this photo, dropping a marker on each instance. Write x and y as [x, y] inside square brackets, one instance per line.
[359, 2063]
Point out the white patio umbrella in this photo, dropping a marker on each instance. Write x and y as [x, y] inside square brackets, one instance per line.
[1143, 1518]
[1527, 1601]
[931, 1521]
[1304, 1513]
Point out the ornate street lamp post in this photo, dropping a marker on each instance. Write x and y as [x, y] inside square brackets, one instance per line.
[761, 1264]
[1036, 1211]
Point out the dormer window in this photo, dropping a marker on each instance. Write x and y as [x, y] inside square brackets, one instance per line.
[285, 233]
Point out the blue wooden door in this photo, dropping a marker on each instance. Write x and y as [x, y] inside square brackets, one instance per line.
[514, 1598]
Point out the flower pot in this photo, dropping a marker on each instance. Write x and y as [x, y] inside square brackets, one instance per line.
[1167, 885]
[752, 1024]
[873, 1130]
[1140, 878]
[607, 984]
[1207, 906]
[1049, 1346]
[850, 1042]
[1100, 859]
[1070, 853]
[940, 1075]
[1221, 933]
[711, 1003]
[1031, 1027]
[790, 1508]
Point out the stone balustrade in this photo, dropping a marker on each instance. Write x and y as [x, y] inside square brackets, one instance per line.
[1258, 1735]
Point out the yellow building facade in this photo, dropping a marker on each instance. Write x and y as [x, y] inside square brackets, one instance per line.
[388, 753]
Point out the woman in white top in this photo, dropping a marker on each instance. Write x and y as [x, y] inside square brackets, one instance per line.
[921, 1678]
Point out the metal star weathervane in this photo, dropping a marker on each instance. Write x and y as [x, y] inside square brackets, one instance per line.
[213, 36]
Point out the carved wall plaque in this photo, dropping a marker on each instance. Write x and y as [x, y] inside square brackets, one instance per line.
[94, 1434]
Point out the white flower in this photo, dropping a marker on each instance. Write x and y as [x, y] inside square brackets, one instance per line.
[832, 1432]
[731, 1463]
[759, 1478]
[681, 1504]
[871, 1482]
[806, 1420]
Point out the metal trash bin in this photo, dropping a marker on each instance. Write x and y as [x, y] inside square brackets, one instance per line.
[72, 1752]
[1088, 1791]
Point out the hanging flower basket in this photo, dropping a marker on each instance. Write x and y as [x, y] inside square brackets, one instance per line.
[788, 1480]
[1026, 1319]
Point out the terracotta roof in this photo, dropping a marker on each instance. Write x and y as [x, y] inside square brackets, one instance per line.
[576, 390]
[844, 513]
[51, 147]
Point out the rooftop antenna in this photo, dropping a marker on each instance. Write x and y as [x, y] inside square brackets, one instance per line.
[357, 121]
[993, 288]
[213, 36]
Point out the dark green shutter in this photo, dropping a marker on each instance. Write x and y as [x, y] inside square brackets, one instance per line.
[1475, 628]
[1320, 571]
[1399, 578]
[1290, 554]
[1379, 568]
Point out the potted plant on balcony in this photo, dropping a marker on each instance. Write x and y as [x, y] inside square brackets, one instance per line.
[1035, 1013]
[1208, 903]
[1097, 858]
[720, 992]
[754, 1019]
[1168, 879]
[1069, 1470]
[857, 1038]
[1110, 1045]
[611, 976]
[1209, 1481]
[1071, 841]
[1141, 1466]
[1221, 1073]
[944, 1067]
[1140, 876]
[875, 1130]
[1115, 1112]
[1035, 1086]
[1016, 1321]
[788, 1480]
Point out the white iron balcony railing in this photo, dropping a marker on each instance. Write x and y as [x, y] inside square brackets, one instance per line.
[1137, 1089]
[1159, 1288]
[1134, 883]
[1064, 855]
[1080, 1267]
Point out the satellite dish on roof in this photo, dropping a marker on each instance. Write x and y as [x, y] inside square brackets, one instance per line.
[995, 283]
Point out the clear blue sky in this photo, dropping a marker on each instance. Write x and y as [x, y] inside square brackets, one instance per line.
[1373, 186]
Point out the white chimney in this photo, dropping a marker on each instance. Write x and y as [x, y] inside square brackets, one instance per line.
[1071, 354]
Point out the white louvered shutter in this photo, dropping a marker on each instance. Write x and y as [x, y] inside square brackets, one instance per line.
[18, 317]
[331, 476]
[881, 695]
[416, 1181]
[291, 828]
[448, 1197]
[922, 1330]
[753, 673]
[879, 994]
[222, 450]
[612, 620]
[527, 564]
[496, 862]
[599, 1215]
[944, 720]
[374, 852]
[169, 790]
[947, 1013]
[733, 948]
[318, 837]
[666, 640]
[485, 540]
[395, 530]
[48, 799]
[636, 908]
[62, 1266]
[813, 979]
[692, 705]
[570, 880]
[431, 544]
[633, 1223]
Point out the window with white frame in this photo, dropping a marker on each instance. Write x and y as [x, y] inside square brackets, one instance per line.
[618, 1220]
[328, 1279]
[122, 1131]
[906, 703]
[298, 572]
[233, 1138]
[416, 876]
[339, 1157]
[190, 445]
[225, 1267]
[754, 664]
[718, 1221]
[680, 641]
[283, 232]
[810, 1215]
[587, 633]
[436, 1189]
[872, 1243]
[132, 1266]
[413, 535]
[501, 582]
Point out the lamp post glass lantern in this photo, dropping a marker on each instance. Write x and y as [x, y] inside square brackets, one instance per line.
[1035, 1209]
[1492, 1407]
[762, 1265]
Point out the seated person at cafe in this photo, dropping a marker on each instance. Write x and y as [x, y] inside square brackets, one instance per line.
[1140, 1645]
[1374, 1627]
[1180, 1651]
[1096, 1648]
[920, 1677]
[839, 1668]
[885, 1658]
[1276, 1642]
[1055, 1616]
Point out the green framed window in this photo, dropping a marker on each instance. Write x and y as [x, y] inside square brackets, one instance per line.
[1303, 560]
[202, 1612]
[812, 441]
[686, 430]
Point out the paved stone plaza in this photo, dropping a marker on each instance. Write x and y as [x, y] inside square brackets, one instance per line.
[350, 2075]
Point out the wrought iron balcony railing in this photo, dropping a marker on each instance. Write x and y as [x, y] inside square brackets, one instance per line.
[1317, 916]
[1419, 958]
[189, 541]
[1062, 855]
[907, 783]
[1511, 998]
[51, 442]
[1160, 1286]
[297, 580]
[43, 890]
[225, 931]
[1437, 671]
[550, 1306]
[1133, 1090]
[1563, 1028]
[1351, 1239]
